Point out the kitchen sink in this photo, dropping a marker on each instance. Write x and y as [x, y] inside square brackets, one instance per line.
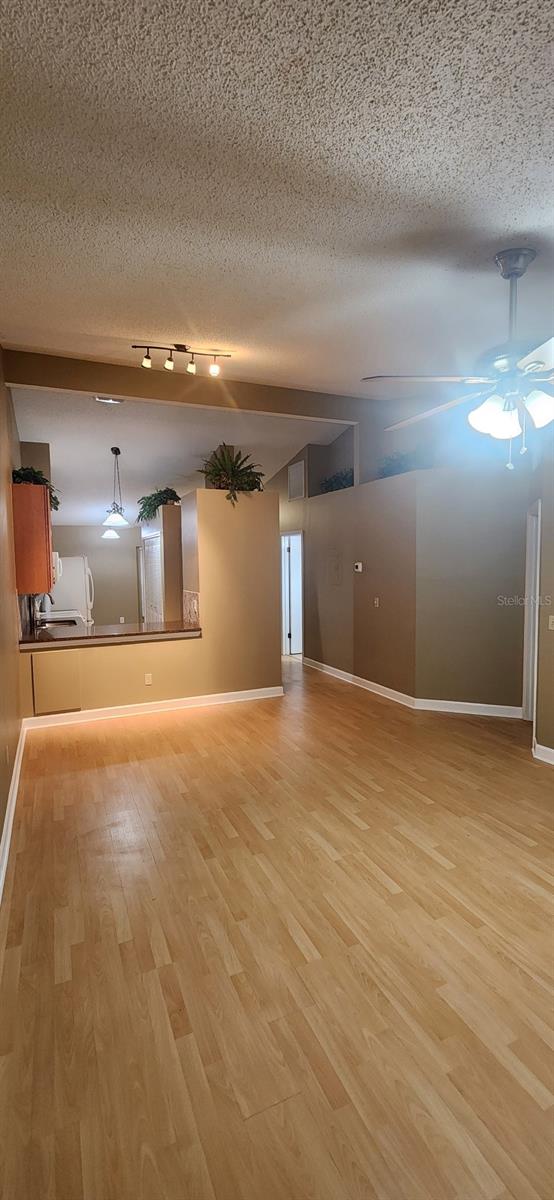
[56, 624]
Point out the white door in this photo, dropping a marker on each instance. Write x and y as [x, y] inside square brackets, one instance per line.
[153, 584]
[291, 593]
[531, 626]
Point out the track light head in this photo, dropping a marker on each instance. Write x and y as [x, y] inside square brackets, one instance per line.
[147, 361]
[191, 366]
[214, 368]
[169, 364]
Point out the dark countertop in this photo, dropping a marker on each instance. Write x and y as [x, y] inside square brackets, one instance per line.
[56, 636]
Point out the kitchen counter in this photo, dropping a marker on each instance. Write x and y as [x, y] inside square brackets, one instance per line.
[57, 636]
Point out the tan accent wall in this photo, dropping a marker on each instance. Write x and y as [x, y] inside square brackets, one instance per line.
[439, 548]
[37, 455]
[545, 680]
[470, 565]
[113, 565]
[9, 618]
[238, 570]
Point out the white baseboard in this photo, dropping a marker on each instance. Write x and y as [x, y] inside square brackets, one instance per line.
[462, 707]
[10, 808]
[543, 753]
[347, 677]
[135, 710]
[471, 709]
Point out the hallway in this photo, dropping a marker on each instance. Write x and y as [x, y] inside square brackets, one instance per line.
[264, 951]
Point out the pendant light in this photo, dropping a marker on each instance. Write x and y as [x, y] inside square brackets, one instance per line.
[115, 512]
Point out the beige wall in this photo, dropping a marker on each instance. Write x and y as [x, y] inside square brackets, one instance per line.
[438, 547]
[113, 565]
[544, 483]
[9, 621]
[470, 555]
[37, 455]
[238, 569]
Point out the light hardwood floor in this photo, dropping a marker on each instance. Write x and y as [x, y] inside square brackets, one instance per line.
[283, 950]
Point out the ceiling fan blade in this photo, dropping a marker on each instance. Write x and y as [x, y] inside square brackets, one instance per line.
[428, 378]
[431, 412]
[543, 354]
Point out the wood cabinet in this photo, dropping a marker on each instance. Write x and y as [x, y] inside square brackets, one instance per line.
[32, 538]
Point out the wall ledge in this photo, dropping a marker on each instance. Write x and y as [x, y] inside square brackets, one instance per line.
[10, 807]
[462, 707]
[77, 716]
[543, 753]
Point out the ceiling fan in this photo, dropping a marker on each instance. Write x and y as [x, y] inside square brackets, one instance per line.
[513, 381]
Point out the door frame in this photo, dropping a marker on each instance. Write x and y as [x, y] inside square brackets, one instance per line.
[531, 614]
[294, 533]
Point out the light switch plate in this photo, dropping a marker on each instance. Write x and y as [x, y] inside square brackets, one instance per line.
[551, 624]
[358, 567]
[148, 678]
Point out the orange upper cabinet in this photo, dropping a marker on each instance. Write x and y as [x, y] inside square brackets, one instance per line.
[32, 538]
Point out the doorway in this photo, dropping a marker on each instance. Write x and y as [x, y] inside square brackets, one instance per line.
[292, 593]
[532, 604]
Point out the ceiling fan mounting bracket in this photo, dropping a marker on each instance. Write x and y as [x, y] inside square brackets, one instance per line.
[512, 264]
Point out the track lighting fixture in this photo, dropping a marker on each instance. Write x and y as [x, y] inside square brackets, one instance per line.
[181, 348]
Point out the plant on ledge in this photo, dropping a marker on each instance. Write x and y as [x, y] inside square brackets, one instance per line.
[229, 470]
[31, 475]
[338, 481]
[149, 505]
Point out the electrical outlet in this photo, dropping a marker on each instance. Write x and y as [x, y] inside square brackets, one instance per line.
[551, 624]
[376, 601]
[148, 678]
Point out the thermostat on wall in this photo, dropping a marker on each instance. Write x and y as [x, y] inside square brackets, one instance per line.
[358, 566]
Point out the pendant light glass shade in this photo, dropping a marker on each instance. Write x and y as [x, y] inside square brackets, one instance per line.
[115, 516]
[110, 533]
[494, 417]
[540, 408]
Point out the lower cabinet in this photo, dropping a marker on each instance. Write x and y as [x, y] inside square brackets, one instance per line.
[56, 681]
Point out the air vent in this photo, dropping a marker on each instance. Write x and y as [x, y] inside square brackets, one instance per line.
[297, 482]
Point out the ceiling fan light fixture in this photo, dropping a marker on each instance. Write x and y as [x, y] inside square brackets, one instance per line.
[111, 534]
[540, 408]
[496, 416]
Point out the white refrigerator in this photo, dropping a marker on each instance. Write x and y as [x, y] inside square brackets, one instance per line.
[74, 589]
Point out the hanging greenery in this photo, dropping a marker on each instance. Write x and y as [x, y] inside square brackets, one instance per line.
[149, 505]
[231, 471]
[31, 475]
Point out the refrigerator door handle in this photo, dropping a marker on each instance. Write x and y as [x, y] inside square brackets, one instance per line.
[90, 593]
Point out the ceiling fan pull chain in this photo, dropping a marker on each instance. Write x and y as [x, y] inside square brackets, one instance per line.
[524, 446]
[509, 464]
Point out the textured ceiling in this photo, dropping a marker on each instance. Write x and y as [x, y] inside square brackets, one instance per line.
[162, 445]
[318, 187]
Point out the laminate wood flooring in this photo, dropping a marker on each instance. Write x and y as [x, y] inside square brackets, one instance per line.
[296, 949]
